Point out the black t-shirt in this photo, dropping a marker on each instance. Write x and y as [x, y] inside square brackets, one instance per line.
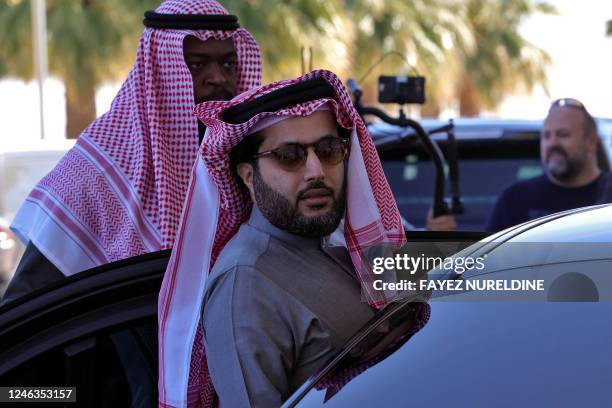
[537, 197]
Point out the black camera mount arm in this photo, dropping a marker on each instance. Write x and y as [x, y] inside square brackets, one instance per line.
[452, 155]
[439, 205]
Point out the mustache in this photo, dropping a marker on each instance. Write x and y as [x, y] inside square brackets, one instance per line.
[557, 150]
[314, 185]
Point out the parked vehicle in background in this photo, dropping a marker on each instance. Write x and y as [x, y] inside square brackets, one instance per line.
[492, 153]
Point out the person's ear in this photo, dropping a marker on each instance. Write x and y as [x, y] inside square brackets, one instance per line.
[246, 173]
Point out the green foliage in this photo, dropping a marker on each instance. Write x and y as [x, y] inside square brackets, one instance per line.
[451, 42]
[15, 38]
[448, 41]
[282, 27]
[502, 61]
[424, 31]
[89, 41]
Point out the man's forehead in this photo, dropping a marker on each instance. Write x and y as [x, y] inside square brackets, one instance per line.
[194, 46]
[301, 128]
[563, 117]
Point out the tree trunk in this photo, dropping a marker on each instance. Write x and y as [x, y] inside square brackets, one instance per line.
[469, 105]
[430, 110]
[80, 107]
[370, 93]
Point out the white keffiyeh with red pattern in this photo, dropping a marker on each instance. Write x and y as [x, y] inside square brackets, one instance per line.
[215, 208]
[119, 192]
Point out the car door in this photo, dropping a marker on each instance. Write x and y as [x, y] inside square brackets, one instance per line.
[95, 331]
[482, 351]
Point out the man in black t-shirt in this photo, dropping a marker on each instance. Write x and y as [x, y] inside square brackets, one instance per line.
[572, 179]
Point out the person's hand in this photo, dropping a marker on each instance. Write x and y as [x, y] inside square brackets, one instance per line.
[440, 223]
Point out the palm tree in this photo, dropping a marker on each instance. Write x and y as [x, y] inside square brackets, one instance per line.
[89, 41]
[501, 61]
[282, 28]
[469, 50]
[15, 37]
[413, 37]
[349, 36]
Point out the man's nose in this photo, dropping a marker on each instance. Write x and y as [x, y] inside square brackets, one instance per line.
[313, 169]
[546, 142]
[215, 75]
[553, 141]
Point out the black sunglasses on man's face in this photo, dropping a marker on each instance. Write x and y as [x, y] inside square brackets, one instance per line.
[292, 156]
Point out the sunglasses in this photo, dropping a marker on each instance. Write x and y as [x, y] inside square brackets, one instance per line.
[293, 156]
[568, 103]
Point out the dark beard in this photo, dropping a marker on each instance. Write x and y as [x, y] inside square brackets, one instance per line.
[572, 168]
[282, 214]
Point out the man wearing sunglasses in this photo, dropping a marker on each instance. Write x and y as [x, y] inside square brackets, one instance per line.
[569, 146]
[281, 169]
[294, 172]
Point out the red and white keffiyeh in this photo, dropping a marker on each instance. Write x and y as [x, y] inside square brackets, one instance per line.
[119, 192]
[215, 208]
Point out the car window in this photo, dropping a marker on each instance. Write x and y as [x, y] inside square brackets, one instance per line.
[486, 168]
[116, 367]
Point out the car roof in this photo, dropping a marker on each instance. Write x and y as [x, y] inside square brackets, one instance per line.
[466, 127]
[481, 127]
[475, 129]
[594, 221]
